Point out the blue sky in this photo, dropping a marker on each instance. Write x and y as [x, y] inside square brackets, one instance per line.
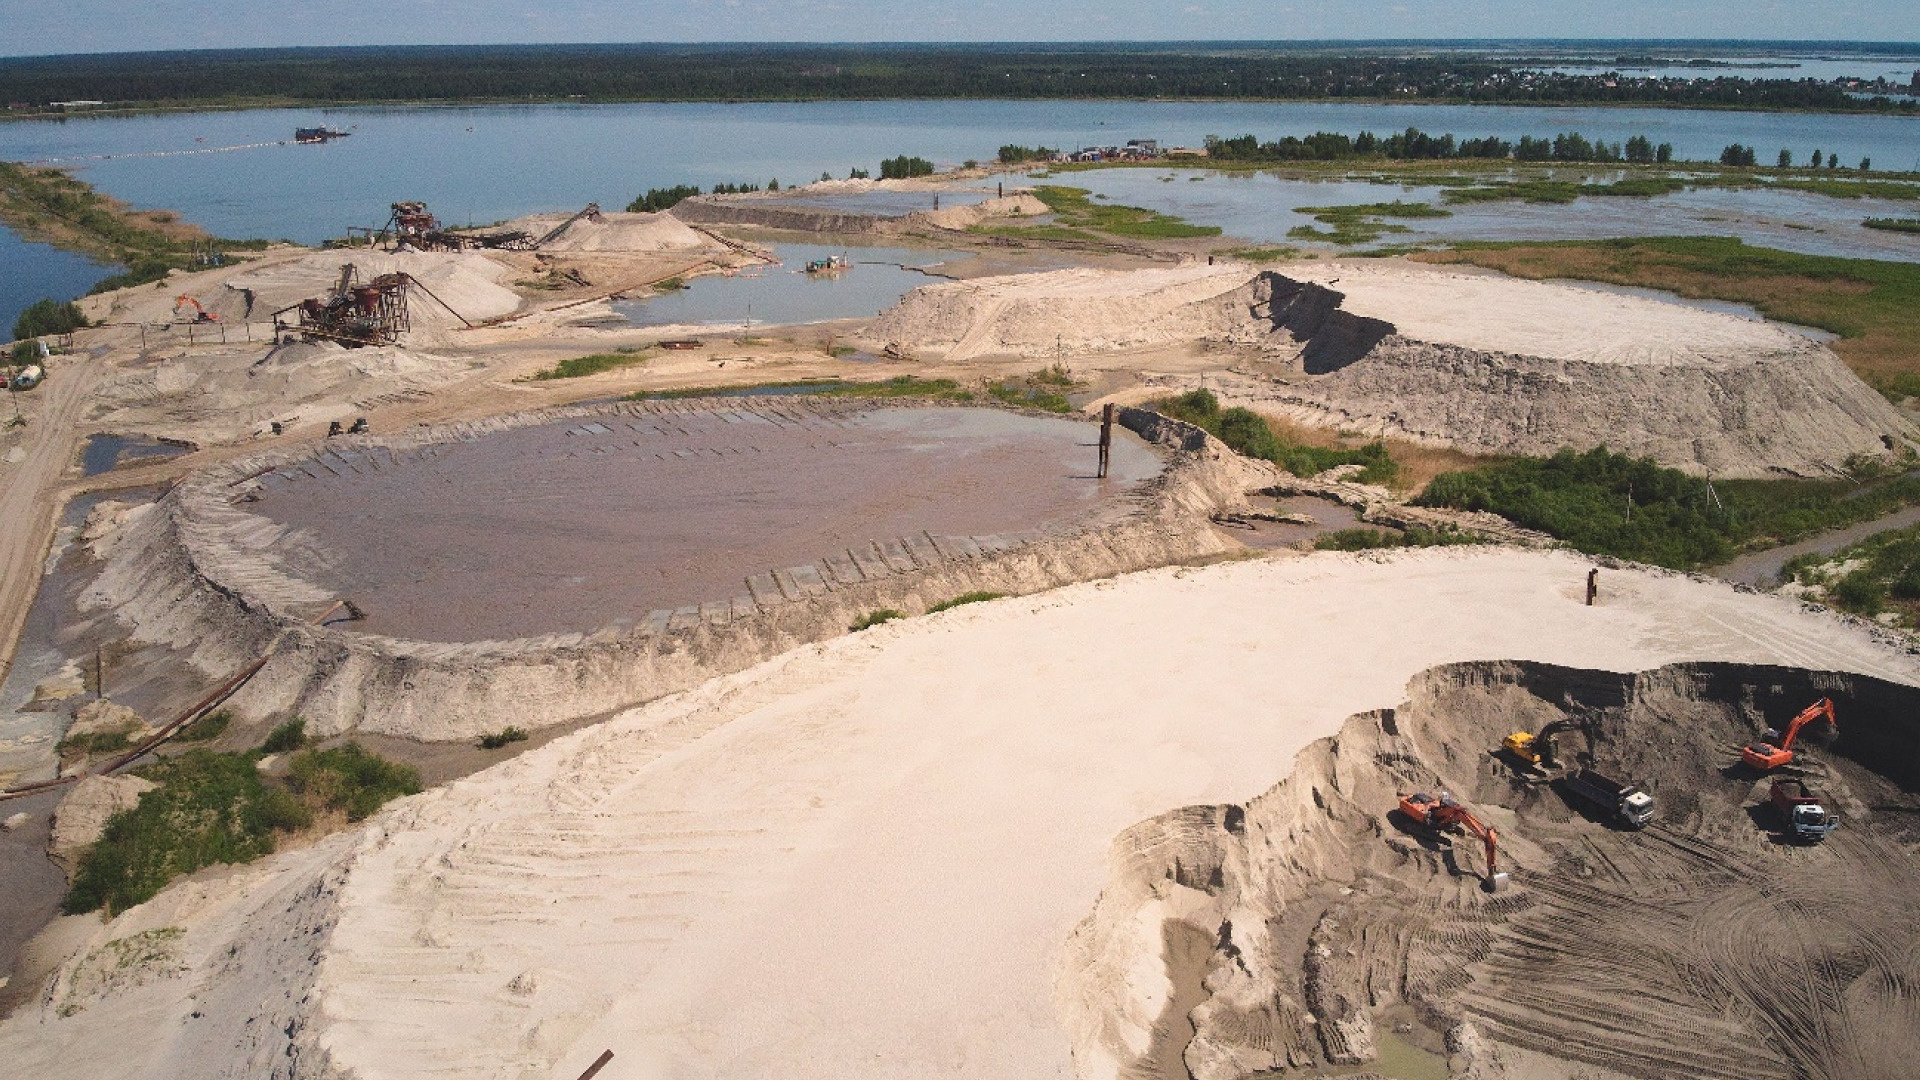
[39, 26]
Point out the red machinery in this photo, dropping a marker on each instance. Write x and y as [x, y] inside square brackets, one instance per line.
[1765, 756]
[200, 314]
[1443, 814]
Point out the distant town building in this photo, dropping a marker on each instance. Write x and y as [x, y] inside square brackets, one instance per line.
[65, 106]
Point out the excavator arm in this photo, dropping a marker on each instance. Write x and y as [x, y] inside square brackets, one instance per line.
[1766, 756]
[1815, 711]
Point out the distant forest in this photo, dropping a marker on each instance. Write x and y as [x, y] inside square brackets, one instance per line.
[607, 73]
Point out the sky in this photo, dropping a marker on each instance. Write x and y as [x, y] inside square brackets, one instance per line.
[37, 27]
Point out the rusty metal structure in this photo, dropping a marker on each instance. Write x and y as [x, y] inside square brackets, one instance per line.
[412, 225]
[359, 313]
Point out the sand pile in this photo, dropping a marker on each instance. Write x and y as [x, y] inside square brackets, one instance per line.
[965, 217]
[1079, 310]
[1314, 926]
[861, 859]
[614, 231]
[469, 282]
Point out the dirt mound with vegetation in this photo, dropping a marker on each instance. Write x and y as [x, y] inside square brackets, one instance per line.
[1313, 925]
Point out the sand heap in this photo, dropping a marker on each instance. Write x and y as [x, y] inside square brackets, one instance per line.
[468, 282]
[614, 232]
[861, 859]
[1079, 310]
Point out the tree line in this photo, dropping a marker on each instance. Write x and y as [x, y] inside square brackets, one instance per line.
[870, 71]
[1416, 145]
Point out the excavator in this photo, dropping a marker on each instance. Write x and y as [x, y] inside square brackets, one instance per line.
[200, 314]
[1537, 750]
[1766, 756]
[1443, 814]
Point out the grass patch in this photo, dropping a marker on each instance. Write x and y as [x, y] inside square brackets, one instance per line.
[976, 597]
[875, 618]
[291, 735]
[1259, 254]
[1364, 539]
[205, 729]
[1889, 224]
[95, 743]
[1878, 574]
[1611, 504]
[1040, 390]
[1073, 209]
[210, 808]
[1873, 305]
[349, 779]
[1566, 191]
[1361, 223]
[494, 740]
[1251, 435]
[591, 364]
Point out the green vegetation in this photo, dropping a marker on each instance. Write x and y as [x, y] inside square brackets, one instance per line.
[349, 779]
[1073, 209]
[1259, 254]
[1250, 435]
[964, 598]
[1879, 574]
[210, 808]
[896, 387]
[1565, 191]
[592, 364]
[904, 167]
[291, 735]
[671, 284]
[1306, 71]
[875, 618]
[1874, 306]
[658, 199]
[205, 729]
[96, 743]
[1361, 224]
[1017, 155]
[1039, 390]
[1416, 145]
[1362, 539]
[494, 740]
[1906, 225]
[1610, 504]
[49, 204]
[48, 318]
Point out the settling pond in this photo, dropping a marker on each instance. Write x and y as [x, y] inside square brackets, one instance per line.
[875, 279]
[579, 524]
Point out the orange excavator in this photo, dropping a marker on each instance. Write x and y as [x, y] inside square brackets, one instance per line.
[200, 314]
[1443, 814]
[1766, 757]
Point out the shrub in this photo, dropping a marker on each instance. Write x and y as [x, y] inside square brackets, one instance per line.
[291, 735]
[875, 618]
[351, 779]
[210, 808]
[592, 364]
[904, 167]
[1029, 397]
[965, 598]
[47, 318]
[206, 728]
[658, 199]
[494, 740]
[1248, 434]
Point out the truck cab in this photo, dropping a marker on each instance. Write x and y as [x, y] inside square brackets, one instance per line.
[1802, 810]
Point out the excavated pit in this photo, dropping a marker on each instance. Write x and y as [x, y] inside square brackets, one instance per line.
[1706, 945]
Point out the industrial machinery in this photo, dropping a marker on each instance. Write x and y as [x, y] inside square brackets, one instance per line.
[412, 225]
[200, 314]
[1802, 810]
[1767, 755]
[1537, 750]
[359, 313]
[1443, 814]
[1625, 802]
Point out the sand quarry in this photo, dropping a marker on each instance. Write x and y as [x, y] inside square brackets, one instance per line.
[1131, 820]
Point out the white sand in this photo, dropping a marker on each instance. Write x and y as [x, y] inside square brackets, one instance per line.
[1537, 318]
[862, 859]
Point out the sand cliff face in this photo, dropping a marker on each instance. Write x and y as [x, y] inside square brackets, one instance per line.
[1483, 362]
[1285, 932]
[198, 572]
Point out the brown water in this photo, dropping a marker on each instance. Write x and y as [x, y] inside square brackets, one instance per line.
[581, 524]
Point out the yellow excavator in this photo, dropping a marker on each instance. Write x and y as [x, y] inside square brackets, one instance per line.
[1536, 751]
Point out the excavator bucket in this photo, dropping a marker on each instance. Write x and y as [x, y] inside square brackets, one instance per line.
[1499, 882]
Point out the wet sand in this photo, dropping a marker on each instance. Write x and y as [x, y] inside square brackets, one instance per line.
[583, 524]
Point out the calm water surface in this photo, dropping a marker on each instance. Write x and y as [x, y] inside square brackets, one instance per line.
[876, 280]
[30, 271]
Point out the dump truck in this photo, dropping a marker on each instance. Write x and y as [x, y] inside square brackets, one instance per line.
[1803, 811]
[1628, 804]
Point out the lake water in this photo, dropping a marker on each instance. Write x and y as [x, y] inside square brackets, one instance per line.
[876, 279]
[239, 175]
[30, 271]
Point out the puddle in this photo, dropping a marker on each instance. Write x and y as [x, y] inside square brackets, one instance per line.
[105, 453]
[875, 279]
[1328, 516]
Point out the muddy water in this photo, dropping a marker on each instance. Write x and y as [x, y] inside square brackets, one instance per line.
[105, 453]
[1327, 516]
[1762, 568]
[577, 525]
[875, 280]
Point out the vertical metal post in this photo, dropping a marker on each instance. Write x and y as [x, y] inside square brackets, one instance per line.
[1106, 438]
[1593, 585]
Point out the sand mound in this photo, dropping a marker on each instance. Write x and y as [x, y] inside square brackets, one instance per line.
[965, 217]
[469, 282]
[1079, 310]
[861, 859]
[614, 231]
